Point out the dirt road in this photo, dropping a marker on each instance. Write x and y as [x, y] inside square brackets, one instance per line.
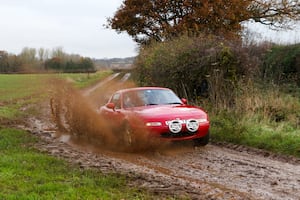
[180, 170]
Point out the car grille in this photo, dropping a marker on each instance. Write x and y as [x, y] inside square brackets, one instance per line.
[176, 135]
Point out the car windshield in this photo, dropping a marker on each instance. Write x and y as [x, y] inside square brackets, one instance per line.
[149, 97]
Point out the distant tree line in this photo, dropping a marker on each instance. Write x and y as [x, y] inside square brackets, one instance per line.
[41, 60]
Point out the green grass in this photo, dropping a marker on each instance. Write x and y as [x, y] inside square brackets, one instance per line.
[82, 80]
[269, 120]
[257, 131]
[9, 112]
[27, 174]
[17, 86]
[13, 87]
[19, 90]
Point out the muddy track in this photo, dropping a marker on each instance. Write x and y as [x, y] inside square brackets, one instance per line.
[211, 172]
[180, 170]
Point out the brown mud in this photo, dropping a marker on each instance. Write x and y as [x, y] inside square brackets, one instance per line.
[216, 171]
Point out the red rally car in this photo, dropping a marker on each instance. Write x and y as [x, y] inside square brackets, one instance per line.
[157, 110]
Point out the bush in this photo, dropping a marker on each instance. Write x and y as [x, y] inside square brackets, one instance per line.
[197, 67]
[282, 64]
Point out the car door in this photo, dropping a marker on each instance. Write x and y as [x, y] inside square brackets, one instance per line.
[115, 115]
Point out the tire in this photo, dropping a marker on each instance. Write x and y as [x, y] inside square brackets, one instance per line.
[202, 141]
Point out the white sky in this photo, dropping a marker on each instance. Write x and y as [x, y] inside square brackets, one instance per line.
[264, 33]
[74, 25]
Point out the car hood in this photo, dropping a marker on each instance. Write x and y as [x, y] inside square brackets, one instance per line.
[170, 111]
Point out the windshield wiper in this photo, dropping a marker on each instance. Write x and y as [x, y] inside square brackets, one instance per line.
[175, 103]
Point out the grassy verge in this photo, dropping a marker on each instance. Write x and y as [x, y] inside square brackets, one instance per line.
[265, 119]
[281, 137]
[28, 174]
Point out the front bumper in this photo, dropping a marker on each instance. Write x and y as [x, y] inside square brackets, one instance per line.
[184, 134]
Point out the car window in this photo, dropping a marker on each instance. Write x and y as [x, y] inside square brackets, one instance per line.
[161, 97]
[116, 100]
[133, 99]
[149, 97]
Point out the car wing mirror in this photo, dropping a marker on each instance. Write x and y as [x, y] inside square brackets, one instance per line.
[184, 101]
[111, 106]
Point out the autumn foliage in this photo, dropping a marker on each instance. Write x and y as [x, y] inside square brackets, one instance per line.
[162, 20]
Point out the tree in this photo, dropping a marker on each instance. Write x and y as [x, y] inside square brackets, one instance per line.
[161, 20]
[87, 64]
[9, 63]
[28, 55]
[43, 54]
[54, 63]
[4, 65]
[58, 53]
[275, 13]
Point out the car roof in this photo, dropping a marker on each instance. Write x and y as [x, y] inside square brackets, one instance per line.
[141, 88]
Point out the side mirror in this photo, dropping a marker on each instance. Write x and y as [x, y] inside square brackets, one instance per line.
[110, 106]
[184, 101]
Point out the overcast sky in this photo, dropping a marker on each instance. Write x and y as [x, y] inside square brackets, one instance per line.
[74, 25]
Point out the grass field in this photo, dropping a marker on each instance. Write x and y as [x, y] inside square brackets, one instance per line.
[26, 173]
[14, 87]
[83, 80]
[18, 90]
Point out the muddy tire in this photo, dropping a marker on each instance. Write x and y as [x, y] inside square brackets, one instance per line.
[202, 141]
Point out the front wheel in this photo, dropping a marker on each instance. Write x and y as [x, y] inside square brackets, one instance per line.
[202, 141]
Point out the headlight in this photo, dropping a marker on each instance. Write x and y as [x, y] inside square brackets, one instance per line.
[153, 124]
[202, 120]
[192, 125]
[175, 126]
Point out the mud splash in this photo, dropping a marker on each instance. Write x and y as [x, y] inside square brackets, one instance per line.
[76, 115]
